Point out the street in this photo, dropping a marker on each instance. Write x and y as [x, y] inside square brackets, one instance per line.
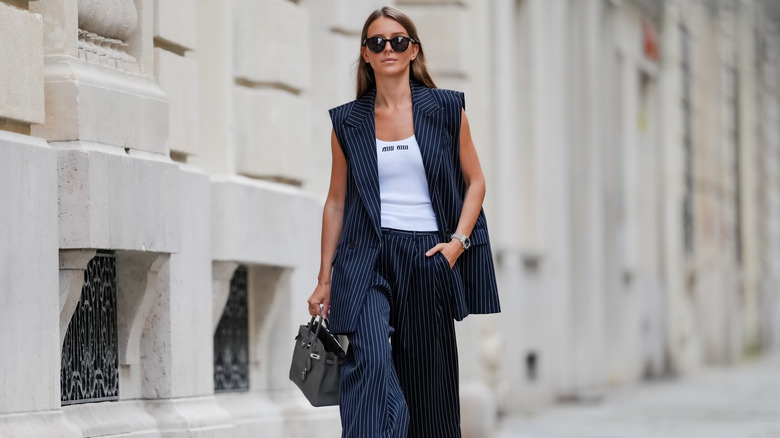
[742, 401]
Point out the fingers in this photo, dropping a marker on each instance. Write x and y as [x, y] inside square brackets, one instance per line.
[440, 248]
[435, 249]
[319, 310]
[318, 306]
[314, 306]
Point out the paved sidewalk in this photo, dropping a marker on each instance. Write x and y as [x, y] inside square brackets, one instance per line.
[736, 402]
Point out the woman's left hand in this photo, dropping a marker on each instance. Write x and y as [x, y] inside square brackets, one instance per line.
[451, 250]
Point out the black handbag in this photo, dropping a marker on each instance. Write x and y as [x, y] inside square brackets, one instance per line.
[316, 363]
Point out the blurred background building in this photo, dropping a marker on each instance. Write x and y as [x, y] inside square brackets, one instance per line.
[163, 165]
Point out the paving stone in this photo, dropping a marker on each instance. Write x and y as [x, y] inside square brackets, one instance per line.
[736, 402]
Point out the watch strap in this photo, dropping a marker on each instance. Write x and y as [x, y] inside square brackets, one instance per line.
[464, 240]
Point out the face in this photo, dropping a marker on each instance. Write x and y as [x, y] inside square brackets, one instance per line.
[388, 62]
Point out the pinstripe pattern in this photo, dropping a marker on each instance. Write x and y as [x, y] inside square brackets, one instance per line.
[410, 293]
[437, 118]
[371, 401]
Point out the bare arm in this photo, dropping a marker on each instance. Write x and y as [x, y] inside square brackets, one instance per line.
[332, 219]
[475, 194]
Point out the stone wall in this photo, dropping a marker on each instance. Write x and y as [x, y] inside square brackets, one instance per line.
[768, 163]
[103, 125]
[191, 138]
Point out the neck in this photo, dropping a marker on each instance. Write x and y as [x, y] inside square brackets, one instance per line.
[393, 92]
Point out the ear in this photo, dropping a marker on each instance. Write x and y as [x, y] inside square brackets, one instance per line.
[364, 54]
[415, 51]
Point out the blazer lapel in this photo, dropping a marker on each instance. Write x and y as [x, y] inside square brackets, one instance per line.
[362, 151]
[427, 124]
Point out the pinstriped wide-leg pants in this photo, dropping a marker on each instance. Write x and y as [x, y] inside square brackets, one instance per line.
[400, 376]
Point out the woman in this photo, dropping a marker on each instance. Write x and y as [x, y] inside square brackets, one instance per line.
[404, 240]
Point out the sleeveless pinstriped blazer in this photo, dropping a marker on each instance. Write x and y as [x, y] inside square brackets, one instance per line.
[437, 119]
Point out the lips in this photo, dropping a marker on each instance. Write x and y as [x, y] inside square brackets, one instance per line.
[389, 60]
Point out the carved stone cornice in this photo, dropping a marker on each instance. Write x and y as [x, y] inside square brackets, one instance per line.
[117, 19]
[110, 52]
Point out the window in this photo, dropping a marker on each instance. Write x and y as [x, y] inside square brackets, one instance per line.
[231, 339]
[90, 354]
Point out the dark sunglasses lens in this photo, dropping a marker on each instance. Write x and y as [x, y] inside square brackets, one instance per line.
[399, 44]
[376, 44]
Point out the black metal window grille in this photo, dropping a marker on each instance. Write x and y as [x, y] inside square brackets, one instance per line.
[231, 339]
[90, 354]
[687, 109]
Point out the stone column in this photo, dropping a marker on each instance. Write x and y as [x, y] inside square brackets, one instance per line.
[548, 65]
[770, 138]
[624, 312]
[587, 200]
[749, 126]
[681, 338]
[511, 220]
[29, 302]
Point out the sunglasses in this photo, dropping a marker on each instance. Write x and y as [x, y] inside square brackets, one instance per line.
[397, 43]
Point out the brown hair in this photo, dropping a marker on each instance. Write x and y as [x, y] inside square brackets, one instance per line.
[418, 70]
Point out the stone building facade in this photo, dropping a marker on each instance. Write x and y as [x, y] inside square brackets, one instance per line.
[163, 165]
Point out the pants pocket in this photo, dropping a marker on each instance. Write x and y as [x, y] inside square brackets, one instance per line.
[452, 293]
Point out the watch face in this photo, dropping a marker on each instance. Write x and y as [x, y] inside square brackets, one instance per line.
[466, 243]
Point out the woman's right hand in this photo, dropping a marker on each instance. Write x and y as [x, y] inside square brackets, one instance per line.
[321, 296]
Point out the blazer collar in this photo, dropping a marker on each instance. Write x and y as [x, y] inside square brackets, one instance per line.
[423, 102]
[423, 99]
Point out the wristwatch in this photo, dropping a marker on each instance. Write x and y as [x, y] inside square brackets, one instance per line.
[465, 241]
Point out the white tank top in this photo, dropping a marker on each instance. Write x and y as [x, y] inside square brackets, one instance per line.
[403, 186]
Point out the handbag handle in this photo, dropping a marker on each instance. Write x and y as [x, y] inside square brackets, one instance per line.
[305, 342]
[319, 324]
[316, 332]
